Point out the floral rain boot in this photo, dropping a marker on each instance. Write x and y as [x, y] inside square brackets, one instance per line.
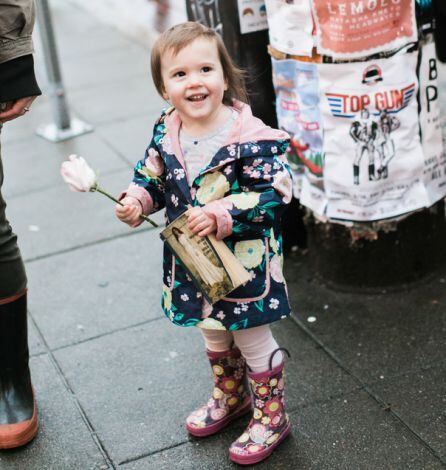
[230, 398]
[270, 424]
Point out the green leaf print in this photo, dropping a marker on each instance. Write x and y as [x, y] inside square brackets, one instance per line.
[191, 322]
[239, 325]
[178, 317]
[235, 186]
[270, 204]
[176, 284]
[259, 305]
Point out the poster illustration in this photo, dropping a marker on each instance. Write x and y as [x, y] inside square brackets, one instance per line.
[252, 15]
[348, 29]
[206, 12]
[430, 124]
[373, 156]
[290, 26]
[298, 113]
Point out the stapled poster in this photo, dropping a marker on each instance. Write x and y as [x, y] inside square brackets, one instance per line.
[252, 15]
[373, 155]
[290, 26]
[348, 29]
[430, 125]
[298, 113]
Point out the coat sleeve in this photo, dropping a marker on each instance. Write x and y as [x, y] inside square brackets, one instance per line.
[17, 79]
[262, 190]
[149, 178]
[16, 26]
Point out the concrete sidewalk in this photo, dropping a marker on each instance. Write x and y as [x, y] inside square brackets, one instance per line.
[115, 380]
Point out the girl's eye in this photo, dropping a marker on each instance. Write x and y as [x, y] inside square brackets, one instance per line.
[206, 69]
[180, 73]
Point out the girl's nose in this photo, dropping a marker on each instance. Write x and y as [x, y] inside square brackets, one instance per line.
[195, 80]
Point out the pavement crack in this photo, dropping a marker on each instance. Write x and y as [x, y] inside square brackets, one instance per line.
[87, 245]
[149, 454]
[383, 405]
[98, 442]
[108, 333]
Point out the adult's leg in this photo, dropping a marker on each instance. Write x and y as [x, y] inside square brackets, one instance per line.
[18, 415]
[12, 271]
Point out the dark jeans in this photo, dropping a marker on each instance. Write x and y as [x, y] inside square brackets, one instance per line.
[12, 270]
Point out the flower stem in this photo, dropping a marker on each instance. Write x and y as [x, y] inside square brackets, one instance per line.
[100, 190]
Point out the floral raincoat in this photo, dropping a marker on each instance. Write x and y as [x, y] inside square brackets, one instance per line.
[245, 187]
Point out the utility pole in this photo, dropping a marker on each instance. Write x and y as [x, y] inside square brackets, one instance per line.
[64, 126]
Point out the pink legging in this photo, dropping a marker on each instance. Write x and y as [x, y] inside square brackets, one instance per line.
[256, 345]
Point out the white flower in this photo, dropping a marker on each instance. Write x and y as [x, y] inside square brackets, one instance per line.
[254, 149]
[273, 304]
[184, 297]
[244, 307]
[174, 200]
[274, 149]
[221, 315]
[77, 174]
[237, 311]
[179, 172]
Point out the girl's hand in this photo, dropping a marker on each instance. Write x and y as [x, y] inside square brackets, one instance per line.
[130, 212]
[200, 222]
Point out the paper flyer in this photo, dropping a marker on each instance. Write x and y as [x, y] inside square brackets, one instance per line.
[430, 124]
[290, 26]
[298, 113]
[373, 157]
[252, 15]
[348, 29]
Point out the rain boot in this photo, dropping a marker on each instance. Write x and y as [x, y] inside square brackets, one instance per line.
[230, 396]
[18, 412]
[270, 424]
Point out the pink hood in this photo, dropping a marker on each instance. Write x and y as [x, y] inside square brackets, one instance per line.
[247, 128]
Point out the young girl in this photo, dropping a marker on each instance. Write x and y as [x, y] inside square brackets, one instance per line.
[209, 152]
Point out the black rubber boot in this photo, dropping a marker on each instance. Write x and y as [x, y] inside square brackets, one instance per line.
[18, 414]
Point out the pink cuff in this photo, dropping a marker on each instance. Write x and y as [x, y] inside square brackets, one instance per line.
[217, 210]
[142, 195]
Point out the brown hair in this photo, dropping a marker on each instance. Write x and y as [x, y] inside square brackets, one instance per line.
[183, 34]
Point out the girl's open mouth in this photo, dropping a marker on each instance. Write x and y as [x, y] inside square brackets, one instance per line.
[200, 97]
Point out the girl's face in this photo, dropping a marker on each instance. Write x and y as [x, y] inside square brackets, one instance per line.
[194, 82]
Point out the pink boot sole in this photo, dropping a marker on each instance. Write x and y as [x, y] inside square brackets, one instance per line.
[259, 456]
[214, 428]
